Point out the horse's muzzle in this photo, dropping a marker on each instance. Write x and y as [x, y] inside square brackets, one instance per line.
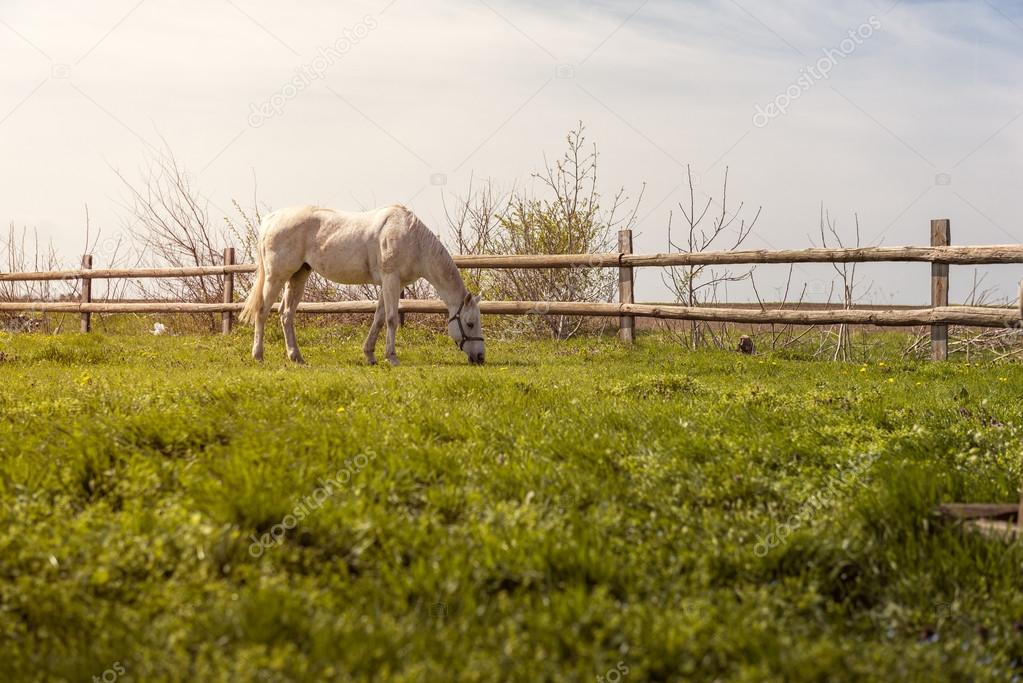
[476, 358]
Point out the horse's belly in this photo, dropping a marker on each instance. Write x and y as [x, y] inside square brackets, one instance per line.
[346, 272]
[346, 261]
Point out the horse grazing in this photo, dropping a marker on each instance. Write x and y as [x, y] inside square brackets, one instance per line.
[389, 247]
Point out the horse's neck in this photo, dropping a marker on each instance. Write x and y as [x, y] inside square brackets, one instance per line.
[444, 276]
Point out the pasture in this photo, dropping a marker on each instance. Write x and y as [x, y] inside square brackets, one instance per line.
[575, 511]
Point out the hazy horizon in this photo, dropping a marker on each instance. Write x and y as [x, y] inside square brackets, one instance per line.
[916, 117]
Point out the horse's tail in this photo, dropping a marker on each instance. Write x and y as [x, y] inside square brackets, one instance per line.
[254, 301]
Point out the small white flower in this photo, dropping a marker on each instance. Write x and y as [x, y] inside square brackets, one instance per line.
[159, 328]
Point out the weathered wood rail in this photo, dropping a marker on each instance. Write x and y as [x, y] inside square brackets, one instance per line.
[974, 316]
[938, 316]
[956, 256]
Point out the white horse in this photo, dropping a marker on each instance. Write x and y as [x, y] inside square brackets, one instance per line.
[389, 247]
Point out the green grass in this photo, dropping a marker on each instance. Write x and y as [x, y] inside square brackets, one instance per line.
[565, 511]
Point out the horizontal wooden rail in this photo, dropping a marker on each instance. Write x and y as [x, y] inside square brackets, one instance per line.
[957, 255]
[126, 273]
[974, 316]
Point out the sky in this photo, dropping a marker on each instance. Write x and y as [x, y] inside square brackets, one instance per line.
[897, 112]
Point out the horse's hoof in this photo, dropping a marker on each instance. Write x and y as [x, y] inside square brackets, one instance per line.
[393, 360]
[372, 360]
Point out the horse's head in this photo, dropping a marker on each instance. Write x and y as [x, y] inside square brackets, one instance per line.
[466, 328]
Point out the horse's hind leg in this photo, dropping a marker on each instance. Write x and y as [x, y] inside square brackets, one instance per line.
[389, 293]
[369, 348]
[272, 284]
[289, 306]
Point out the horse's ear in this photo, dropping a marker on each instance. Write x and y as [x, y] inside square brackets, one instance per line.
[468, 299]
[476, 299]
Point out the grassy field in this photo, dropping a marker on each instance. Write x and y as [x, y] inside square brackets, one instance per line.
[577, 511]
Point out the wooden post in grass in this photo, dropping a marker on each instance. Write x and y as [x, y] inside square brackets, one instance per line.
[86, 294]
[626, 323]
[941, 236]
[226, 317]
[1019, 511]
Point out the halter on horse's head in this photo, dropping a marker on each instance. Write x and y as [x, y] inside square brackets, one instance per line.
[470, 309]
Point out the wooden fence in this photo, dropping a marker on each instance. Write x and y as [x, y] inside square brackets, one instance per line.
[938, 316]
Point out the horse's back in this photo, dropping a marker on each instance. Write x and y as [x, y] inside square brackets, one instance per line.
[318, 219]
[343, 246]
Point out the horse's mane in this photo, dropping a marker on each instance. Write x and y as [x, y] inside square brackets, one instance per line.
[433, 247]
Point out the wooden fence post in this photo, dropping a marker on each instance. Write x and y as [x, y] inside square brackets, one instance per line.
[626, 323]
[226, 318]
[86, 294]
[1019, 511]
[941, 236]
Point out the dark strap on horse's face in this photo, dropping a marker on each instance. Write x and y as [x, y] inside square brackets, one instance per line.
[457, 317]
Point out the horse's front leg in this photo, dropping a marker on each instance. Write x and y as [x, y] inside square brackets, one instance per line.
[369, 348]
[390, 292]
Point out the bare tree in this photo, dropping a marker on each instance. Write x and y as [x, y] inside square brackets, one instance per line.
[243, 230]
[568, 216]
[170, 224]
[476, 223]
[697, 285]
[996, 344]
[22, 250]
[784, 332]
[850, 291]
